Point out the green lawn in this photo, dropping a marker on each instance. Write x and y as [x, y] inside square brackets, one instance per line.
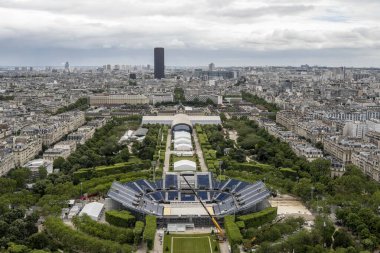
[190, 243]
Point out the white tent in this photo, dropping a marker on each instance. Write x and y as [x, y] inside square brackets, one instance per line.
[183, 147]
[93, 209]
[182, 134]
[182, 141]
[185, 165]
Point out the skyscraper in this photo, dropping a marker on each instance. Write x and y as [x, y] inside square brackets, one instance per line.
[159, 63]
[67, 66]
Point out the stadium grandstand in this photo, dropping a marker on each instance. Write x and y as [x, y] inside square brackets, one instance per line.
[171, 199]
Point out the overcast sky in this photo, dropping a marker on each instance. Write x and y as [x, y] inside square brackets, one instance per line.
[193, 32]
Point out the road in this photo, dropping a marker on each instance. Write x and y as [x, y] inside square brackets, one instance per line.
[199, 152]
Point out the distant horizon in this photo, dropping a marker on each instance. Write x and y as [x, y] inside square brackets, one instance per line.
[186, 57]
[189, 66]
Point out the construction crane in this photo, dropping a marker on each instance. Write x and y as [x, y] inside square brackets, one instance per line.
[220, 233]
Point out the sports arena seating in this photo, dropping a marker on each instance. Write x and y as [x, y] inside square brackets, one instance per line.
[224, 197]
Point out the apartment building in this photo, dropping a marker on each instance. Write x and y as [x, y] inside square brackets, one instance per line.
[368, 162]
[342, 149]
[7, 162]
[25, 148]
[286, 119]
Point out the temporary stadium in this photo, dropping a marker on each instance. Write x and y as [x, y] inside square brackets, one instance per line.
[172, 200]
[186, 196]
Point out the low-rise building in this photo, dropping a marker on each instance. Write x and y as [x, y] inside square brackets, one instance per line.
[53, 153]
[111, 100]
[35, 165]
[307, 151]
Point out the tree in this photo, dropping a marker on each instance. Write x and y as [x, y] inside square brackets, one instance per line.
[7, 185]
[320, 169]
[21, 175]
[40, 187]
[342, 239]
[303, 188]
[42, 172]
[319, 145]
[325, 228]
[271, 235]
[17, 248]
[58, 163]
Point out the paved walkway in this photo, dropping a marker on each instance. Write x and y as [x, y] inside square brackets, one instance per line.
[159, 241]
[142, 248]
[199, 152]
[167, 151]
[223, 247]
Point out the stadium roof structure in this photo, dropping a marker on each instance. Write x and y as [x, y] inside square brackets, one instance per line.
[171, 197]
[181, 119]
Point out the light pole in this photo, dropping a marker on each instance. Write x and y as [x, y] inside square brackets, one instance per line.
[220, 169]
[312, 193]
[154, 170]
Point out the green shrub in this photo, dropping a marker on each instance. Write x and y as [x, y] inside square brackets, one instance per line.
[120, 218]
[259, 218]
[76, 241]
[118, 168]
[240, 224]
[137, 231]
[251, 167]
[232, 230]
[82, 174]
[290, 173]
[104, 231]
[150, 230]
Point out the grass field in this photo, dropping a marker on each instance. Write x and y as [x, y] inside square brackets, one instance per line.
[190, 243]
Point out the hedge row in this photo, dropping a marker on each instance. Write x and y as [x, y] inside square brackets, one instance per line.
[76, 241]
[109, 170]
[259, 218]
[120, 218]
[104, 231]
[233, 232]
[150, 230]
[208, 152]
[161, 145]
[137, 231]
[100, 184]
[289, 173]
[251, 167]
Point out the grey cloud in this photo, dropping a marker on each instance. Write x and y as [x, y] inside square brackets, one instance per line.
[226, 27]
[277, 10]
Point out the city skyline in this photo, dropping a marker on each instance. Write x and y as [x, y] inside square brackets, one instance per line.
[328, 33]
